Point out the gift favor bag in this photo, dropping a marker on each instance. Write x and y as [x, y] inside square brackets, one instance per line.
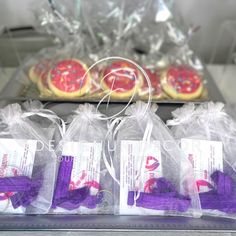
[27, 165]
[207, 135]
[83, 184]
[53, 126]
[150, 177]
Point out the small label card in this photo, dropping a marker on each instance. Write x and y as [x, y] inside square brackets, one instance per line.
[206, 157]
[137, 167]
[16, 159]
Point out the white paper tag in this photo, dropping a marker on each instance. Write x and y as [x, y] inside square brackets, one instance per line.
[86, 165]
[131, 160]
[206, 157]
[16, 159]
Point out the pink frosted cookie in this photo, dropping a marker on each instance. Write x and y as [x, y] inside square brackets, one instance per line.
[121, 79]
[182, 82]
[37, 70]
[42, 84]
[68, 78]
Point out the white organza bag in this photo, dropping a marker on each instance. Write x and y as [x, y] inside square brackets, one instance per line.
[28, 166]
[151, 173]
[207, 135]
[53, 126]
[83, 184]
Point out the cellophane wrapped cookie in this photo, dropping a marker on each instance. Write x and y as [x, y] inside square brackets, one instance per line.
[207, 135]
[153, 176]
[80, 41]
[28, 165]
[83, 184]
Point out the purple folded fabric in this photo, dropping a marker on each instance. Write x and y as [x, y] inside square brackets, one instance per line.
[89, 202]
[79, 197]
[212, 200]
[163, 197]
[221, 197]
[223, 183]
[161, 185]
[159, 202]
[15, 184]
[26, 189]
[63, 179]
[71, 199]
[25, 198]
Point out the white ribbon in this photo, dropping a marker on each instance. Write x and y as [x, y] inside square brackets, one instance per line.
[36, 108]
[111, 136]
[113, 129]
[141, 168]
[50, 116]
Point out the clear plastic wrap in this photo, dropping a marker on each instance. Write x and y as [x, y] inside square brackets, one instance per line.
[57, 18]
[113, 30]
[208, 137]
[83, 184]
[28, 164]
[151, 173]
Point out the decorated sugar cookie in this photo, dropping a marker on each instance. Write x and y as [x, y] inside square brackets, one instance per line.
[156, 90]
[68, 78]
[43, 85]
[182, 82]
[121, 79]
[36, 71]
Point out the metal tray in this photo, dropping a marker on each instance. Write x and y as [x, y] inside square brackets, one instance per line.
[114, 223]
[19, 90]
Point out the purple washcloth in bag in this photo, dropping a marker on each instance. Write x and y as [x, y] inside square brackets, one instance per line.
[15, 184]
[221, 197]
[159, 202]
[92, 200]
[25, 198]
[72, 204]
[26, 189]
[223, 182]
[211, 200]
[80, 197]
[71, 199]
[86, 200]
[163, 197]
[63, 179]
[163, 186]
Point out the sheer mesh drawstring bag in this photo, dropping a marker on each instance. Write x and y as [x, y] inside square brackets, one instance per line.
[27, 170]
[152, 176]
[52, 125]
[208, 137]
[83, 184]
